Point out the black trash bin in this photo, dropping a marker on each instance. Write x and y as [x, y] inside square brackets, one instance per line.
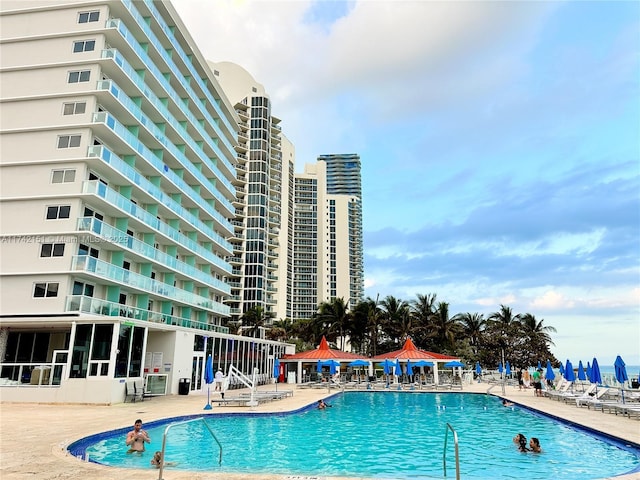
[184, 386]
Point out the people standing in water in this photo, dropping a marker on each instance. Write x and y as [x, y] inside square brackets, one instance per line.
[534, 445]
[321, 405]
[136, 438]
[521, 441]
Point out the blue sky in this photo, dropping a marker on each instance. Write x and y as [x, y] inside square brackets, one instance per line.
[500, 145]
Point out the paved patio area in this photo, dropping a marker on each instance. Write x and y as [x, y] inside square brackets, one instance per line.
[33, 436]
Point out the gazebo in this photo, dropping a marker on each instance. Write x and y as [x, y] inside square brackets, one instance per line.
[310, 358]
[410, 352]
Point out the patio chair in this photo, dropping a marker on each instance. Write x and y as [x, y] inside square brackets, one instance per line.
[590, 401]
[556, 394]
[130, 392]
[568, 397]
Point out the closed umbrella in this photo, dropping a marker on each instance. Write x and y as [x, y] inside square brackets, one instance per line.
[409, 368]
[386, 367]
[569, 374]
[208, 379]
[276, 371]
[621, 373]
[561, 370]
[478, 368]
[539, 365]
[398, 368]
[581, 373]
[549, 375]
[319, 367]
[508, 369]
[500, 369]
[588, 372]
[595, 376]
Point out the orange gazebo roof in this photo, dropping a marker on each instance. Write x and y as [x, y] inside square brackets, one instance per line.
[410, 352]
[323, 352]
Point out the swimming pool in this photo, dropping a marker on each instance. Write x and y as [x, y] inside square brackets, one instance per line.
[379, 435]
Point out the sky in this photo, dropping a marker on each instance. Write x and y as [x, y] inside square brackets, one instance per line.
[499, 141]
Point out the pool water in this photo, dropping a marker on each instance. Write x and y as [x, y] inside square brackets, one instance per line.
[383, 435]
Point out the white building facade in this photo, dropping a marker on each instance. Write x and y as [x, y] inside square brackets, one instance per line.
[327, 251]
[118, 187]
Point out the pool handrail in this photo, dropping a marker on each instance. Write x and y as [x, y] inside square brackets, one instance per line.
[444, 452]
[164, 441]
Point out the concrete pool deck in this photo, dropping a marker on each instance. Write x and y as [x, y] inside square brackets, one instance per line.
[33, 437]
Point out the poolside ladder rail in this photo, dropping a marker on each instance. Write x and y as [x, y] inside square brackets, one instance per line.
[444, 453]
[164, 441]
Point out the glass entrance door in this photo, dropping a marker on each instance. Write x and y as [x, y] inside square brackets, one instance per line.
[197, 372]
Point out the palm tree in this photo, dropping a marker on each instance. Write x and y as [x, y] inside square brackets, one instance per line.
[395, 313]
[336, 317]
[255, 318]
[446, 329]
[422, 310]
[473, 325]
[537, 338]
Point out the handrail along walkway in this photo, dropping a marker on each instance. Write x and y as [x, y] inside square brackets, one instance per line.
[444, 453]
[164, 441]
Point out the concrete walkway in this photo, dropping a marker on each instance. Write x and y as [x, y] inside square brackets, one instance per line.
[33, 437]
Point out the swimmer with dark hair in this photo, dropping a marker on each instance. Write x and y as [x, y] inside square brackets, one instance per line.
[521, 441]
[534, 445]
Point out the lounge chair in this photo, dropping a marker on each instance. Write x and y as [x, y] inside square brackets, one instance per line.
[592, 401]
[558, 393]
[568, 397]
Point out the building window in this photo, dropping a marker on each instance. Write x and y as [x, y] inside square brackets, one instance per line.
[84, 46]
[52, 250]
[79, 76]
[58, 211]
[74, 108]
[63, 176]
[86, 17]
[45, 289]
[69, 141]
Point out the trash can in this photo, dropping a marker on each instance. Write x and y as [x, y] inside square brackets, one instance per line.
[184, 386]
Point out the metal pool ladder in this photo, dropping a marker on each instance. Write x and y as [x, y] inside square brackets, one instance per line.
[166, 431]
[444, 453]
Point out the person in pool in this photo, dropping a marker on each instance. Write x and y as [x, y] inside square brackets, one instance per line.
[506, 403]
[321, 405]
[534, 445]
[157, 460]
[521, 441]
[136, 438]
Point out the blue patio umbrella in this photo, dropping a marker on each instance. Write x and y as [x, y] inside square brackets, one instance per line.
[332, 364]
[453, 364]
[595, 376]
[398, 368]
[359, 363]
[319, 367]
[508, 369]
[478, 368]
[276, 371]
[588, 372]
[539, 365]
[549, 375]
[500, 369]
[561, 370]
[386, 366]
[409, 368]
[621, 373]
[569, 374]
[581, 373]
[208, 379]
[423, 363]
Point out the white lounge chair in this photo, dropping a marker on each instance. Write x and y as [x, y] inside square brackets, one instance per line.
[563, 390]
[571, 396]
[593, 400]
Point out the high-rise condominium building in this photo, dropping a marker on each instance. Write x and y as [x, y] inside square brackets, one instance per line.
[263, 224]
[118, 191]
[327, 252]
